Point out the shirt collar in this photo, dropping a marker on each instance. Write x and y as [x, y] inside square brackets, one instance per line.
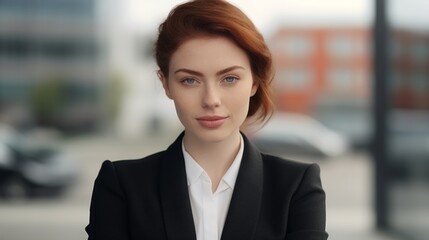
[194, 170]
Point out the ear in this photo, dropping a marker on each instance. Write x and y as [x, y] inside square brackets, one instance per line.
[164, 82]
[255, 87]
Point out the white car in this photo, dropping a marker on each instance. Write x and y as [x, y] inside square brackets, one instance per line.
[299, 134]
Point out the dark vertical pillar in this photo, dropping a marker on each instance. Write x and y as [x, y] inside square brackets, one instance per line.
[380, 113]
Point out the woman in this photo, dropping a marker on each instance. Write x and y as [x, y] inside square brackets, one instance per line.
[211, 183]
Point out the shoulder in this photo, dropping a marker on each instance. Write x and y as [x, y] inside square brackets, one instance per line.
[278, 169]
[273, 163]
[289, 171]
[145, 162]
[132, 169]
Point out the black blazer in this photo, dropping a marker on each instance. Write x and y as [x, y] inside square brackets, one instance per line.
[148, 198]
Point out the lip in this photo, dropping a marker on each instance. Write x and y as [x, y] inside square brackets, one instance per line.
[211, 121]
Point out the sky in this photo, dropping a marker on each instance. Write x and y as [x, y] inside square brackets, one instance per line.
[410, 14]
[145, 15]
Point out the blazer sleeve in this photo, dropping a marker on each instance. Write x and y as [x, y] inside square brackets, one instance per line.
[307, 217]
[108, 209]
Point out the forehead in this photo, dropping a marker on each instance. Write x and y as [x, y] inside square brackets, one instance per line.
[208, 54]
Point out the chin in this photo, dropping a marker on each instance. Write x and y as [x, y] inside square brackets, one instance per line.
[213, 135]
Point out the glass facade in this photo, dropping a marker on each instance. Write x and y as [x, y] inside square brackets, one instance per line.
[80, 8]
[16, 47]
[49, 46]
[403, 141]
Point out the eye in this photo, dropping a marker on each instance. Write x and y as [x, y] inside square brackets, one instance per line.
[230, 79]
[189, 81]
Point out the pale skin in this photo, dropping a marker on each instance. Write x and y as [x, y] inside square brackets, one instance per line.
[211, 82]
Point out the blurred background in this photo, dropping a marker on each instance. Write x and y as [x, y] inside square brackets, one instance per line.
[78, 85]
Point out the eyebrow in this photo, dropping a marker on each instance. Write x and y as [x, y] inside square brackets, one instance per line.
[223, 71]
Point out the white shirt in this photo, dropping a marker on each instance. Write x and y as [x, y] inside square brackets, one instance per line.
[209, 209]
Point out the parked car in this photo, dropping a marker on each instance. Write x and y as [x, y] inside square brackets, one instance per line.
[29, 169]
[349, 118]
[299, 134]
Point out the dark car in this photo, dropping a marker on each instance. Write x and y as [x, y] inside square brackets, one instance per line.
[29, 169]
[409, 145]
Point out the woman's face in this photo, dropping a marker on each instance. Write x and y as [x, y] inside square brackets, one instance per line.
[210, 81]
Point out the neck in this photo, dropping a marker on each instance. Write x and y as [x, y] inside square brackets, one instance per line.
[214, 157]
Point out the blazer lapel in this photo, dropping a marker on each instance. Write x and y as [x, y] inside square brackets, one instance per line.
[176, 206]
[243, 213]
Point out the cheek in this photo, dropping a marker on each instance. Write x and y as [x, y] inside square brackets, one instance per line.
[184, 104]
[240, 101]
[181, 107]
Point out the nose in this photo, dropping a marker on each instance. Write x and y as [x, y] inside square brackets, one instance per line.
[211, 97]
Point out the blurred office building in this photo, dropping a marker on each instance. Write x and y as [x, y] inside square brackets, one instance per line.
[49, 64]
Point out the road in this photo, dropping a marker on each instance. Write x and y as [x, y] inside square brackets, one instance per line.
[346, 180]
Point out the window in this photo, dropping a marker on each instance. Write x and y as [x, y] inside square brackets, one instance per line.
[341, 46]
[13, 89]
[395, 80]
[24, 47]
[395, 48]
[80, 8]
[420, 82]
[341, 79]
[294, 78]
[420, 51]
[297, 46]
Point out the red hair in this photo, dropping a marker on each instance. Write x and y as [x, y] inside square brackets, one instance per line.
[219, 18]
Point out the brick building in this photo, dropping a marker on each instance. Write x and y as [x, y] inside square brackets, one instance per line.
[409, 73]
[321, 65]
